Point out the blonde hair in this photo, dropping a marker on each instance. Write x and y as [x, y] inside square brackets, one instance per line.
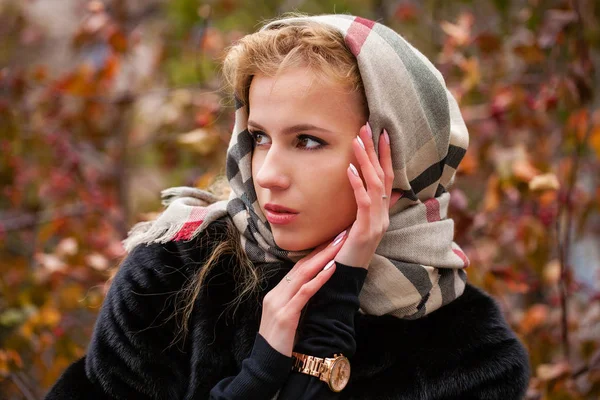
[308, 44]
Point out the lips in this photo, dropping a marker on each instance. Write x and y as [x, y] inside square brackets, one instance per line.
[279, 215]
[275, 208]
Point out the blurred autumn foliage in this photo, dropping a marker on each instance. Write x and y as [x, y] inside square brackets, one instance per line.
[105, 103]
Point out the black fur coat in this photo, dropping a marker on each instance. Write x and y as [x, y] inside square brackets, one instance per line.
[464, 350]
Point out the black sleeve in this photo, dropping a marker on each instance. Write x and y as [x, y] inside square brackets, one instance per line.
[327, 329]
[260, 377]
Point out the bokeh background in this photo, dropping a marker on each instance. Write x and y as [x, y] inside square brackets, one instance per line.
[105, 103]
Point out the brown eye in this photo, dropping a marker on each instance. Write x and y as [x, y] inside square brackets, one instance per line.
[259, 138]
[309, 142]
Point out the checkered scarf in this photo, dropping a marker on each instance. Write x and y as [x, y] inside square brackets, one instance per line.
[417, 267]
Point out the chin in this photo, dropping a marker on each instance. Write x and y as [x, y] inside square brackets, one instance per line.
[291, 243]
[291, 246]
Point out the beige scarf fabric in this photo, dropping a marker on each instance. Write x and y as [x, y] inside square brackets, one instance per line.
[417, 267]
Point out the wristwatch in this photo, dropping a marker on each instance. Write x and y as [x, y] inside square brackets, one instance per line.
[335, 371]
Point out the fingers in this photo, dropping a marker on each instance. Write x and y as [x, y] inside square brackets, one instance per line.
[307, 276]
[369, 164]
[377, 170]
[309, 266]
[281, 316]
[310, 255]
[363, 200]
[308, 290]
[367, 136]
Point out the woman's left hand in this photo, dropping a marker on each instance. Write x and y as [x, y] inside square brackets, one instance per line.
[372, 218]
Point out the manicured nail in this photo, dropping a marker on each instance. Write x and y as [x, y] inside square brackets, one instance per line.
[386, 136]
[360, 142]
[338, 238]
[354, 170]
[329, 265]
[369, 131]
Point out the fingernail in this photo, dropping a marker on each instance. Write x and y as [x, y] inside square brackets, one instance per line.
[386, 136]
[354, 170]
[338, 238]
[369, 131]
[329, 265]
[360, 142]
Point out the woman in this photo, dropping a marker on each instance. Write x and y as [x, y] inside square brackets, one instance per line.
[331, 271]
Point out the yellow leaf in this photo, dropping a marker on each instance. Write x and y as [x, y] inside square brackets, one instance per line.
[532, 54]
[199, 140]
[492, 196]
[50, 262]
[548, 372]
[70, 297]
[49, 316]
[544, 182]
[461, 31]
[26, 330]
[67, 247]
[578, 123]
[97, 261]
[595, 140]
[535, 316]
[552, 272]
[523, 170]
[548, 198]
[9, 360]
[472, 72]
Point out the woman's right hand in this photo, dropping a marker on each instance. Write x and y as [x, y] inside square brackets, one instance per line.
[283, 305]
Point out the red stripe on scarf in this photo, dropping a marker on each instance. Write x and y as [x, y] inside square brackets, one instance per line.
[462, 256]
[194, 221]
[433, 210]
[357, 34]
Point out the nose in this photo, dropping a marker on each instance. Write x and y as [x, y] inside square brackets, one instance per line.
[272, 169]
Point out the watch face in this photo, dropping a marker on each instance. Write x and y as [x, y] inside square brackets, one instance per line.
[340, 374]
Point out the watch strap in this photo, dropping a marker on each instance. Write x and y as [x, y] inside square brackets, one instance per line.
[306, 364]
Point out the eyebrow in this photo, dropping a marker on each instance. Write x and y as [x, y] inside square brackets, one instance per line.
[294, 128]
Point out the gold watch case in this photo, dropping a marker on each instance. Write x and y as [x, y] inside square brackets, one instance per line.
[334, 371]
[339, 373]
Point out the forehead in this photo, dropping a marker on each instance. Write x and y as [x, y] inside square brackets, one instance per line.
[299, 92]
[292, 84]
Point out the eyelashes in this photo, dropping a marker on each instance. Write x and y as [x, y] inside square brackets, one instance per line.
[301, 141]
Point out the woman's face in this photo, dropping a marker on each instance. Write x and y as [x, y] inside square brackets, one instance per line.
[303, 129]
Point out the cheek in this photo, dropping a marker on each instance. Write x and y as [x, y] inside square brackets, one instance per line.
[336, 211]
[331, 187]
[341, 201]
[332, 174]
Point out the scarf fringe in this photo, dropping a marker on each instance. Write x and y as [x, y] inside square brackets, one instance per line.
[150, 232]
[161, 230]
[169, 223]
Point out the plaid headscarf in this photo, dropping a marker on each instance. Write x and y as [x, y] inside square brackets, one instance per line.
[417, 267]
